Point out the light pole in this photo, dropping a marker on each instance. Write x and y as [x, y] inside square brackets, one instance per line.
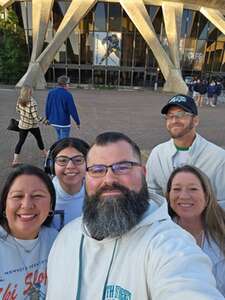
[156, 79]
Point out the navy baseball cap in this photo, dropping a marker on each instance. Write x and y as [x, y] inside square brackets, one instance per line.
[185, 102]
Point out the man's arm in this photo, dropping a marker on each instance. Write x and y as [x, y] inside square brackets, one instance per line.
[178, 269]
[73, 110]
[152, 169]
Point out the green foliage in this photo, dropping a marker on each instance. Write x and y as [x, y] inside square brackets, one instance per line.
[13, 50]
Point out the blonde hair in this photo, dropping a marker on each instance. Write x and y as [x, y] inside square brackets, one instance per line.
[213, 215]
[25, 95]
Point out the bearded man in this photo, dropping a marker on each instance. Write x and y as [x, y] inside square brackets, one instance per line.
[185, 147]
[125, 246]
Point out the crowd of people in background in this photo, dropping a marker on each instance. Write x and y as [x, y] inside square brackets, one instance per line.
[131, 231]
[205, 91]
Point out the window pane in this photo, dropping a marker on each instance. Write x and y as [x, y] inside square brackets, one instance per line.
[101, 17]
[140, 51]
[73, 48]
[86, 76]
[86, 48]
[127, 24]
[199, 57]
[189, 53]
[209, 57]
[138, 79]
[218, 56]
[99, 77]
[112, 78]
[86, 24]
[50, 75]
[114, 17]
[125, 78]
[73, 74]
[127, 49]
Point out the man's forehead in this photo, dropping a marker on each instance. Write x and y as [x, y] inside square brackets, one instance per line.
[110, 150]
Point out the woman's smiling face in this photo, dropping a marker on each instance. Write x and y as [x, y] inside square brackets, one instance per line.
[187, 197]
[28, 204]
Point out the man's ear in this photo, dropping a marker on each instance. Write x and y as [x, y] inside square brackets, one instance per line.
[196, 121]
[144, 170]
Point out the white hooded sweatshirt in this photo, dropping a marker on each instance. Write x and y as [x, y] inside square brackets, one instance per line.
[156, 260]
[23, 263]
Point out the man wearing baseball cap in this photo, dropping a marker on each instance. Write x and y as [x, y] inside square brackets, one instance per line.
[185, 147]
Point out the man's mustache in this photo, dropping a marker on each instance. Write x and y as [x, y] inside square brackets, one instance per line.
[112, 187]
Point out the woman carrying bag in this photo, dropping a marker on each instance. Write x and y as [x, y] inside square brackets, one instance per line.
[29, 118]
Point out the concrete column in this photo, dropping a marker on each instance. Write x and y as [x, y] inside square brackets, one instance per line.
[215, 16]
[172, 13]
[41, 10]
[138, 14]
[37, 69]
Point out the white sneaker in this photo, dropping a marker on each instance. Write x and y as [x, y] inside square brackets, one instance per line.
[212, 105]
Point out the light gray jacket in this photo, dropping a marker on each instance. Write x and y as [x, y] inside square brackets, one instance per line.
[205, 155]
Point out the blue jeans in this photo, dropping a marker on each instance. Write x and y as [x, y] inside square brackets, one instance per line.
[62, 132]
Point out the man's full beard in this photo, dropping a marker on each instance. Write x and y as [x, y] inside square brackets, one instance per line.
[116, 215]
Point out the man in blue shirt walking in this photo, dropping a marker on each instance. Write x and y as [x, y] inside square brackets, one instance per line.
[59, 107]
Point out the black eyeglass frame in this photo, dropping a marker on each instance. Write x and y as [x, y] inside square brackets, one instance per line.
[113, 167]
[67, 159]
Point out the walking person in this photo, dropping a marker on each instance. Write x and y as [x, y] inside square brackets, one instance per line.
[29, 119]
[211, 90]
[193, 206]
[218, 91]
[202, 89]
[59, 107]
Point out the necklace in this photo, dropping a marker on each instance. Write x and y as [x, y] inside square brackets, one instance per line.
[32, 243]
[34, 291]
[200, 237]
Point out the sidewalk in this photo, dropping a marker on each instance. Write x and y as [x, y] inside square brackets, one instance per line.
[136, 113]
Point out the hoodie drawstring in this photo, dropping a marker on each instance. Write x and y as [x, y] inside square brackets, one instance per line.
[78, 296]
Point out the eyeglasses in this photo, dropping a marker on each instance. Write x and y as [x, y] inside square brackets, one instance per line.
[177, 115]
[62, 161]
[120, 168]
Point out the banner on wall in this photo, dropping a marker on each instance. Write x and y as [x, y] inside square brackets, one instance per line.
[107, 48]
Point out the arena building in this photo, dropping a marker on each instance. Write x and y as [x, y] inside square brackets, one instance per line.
[123, 43]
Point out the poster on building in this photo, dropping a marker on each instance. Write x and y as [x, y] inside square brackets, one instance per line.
[107, 48]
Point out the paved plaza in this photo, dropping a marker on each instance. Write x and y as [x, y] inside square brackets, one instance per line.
[134, 112]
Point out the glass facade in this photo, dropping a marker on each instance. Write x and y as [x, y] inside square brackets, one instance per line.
[106, 48]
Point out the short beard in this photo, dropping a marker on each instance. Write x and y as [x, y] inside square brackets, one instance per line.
[183, 132]
[116, 215]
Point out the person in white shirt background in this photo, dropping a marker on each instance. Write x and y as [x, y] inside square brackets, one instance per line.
[66, 163]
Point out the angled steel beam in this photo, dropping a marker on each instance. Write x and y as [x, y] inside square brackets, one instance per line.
[5, 3]
[172, 13]
[138, 14]
[37, 69]
[41, 10]
[215, 16]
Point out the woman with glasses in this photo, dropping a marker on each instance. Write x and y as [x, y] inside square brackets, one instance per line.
[193, 206]
[68, 167]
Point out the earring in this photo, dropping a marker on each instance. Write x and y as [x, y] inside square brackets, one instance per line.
[51, 213]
